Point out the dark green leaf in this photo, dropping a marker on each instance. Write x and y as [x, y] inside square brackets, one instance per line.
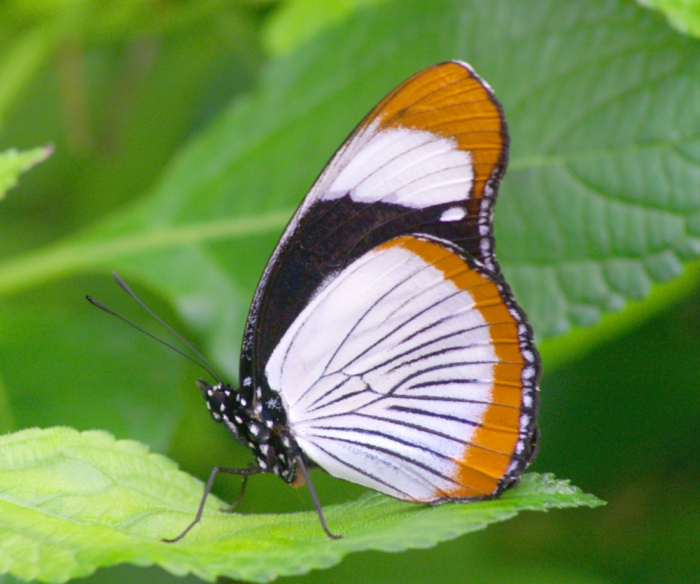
[598, 204]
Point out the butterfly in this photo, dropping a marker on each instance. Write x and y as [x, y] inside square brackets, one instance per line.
[383, 344]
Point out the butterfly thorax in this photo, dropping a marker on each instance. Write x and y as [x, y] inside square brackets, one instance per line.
[256, 419]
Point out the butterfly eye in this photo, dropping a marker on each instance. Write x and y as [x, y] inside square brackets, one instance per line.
[217, 403]
[215, 397]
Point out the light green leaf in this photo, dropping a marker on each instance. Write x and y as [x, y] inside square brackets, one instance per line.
[297, 21]
[71, 502]
[13, 163]
[684, 15]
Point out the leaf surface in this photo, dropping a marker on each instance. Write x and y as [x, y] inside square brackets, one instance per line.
[71, 502]
[683, 15]
[600, 200]
[13, 163]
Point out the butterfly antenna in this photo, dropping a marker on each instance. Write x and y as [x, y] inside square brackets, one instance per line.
[202, 362]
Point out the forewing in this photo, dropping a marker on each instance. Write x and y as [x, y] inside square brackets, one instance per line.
[438, 138]
[427, 159]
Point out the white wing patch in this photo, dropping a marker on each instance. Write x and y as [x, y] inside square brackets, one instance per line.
[386, 375]
[402, 166]
[453, 214]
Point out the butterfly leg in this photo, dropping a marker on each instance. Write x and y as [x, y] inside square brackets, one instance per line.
[314, 498]
[233, 505]
[245, 472]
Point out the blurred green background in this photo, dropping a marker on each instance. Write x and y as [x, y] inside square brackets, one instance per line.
[134, 95]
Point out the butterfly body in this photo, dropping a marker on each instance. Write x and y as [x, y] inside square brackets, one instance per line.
[256, 422]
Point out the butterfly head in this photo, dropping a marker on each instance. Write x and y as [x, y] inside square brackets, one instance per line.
[257, 420]
[216, 397]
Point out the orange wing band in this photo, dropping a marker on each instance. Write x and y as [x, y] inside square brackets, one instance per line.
[486, 460]
[451, 101]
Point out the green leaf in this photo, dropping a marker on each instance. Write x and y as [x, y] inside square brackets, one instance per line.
[95, 20]
[103, 355]
[601, 199]
[684, 15]
[20, 60]
[604, 416]
[559, 351]
[71, 502]
[13, 163]
[296, 21]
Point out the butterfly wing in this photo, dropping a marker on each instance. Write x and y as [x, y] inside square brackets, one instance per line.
[382, 321]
